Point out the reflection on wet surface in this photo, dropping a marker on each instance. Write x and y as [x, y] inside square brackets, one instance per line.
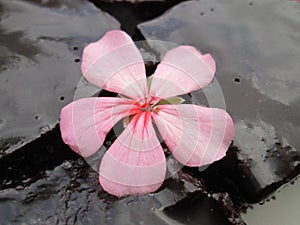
[42, 180]
[70, 194]
[40, 45]
[254, 46]
[284, 209]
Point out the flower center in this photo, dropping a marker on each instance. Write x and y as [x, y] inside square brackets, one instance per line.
[148, 103]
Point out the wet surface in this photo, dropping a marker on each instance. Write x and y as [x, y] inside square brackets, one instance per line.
[255, 45]
[42, 181]
[70, 194]
[30, 163]
[41, 43]
[283, 208]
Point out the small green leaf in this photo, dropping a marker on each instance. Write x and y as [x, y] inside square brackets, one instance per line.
[171, 101]
[127, 120]
[122, 96]
[149, 81]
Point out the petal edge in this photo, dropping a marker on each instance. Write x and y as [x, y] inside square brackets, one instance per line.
[183, 70]
[195, 135]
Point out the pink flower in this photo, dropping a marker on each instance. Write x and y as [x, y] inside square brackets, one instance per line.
[135, 163]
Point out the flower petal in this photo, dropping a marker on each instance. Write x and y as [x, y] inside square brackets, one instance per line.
[135, 163]
[84, 123]
[195, 135]
[115, 64]
[182, 70]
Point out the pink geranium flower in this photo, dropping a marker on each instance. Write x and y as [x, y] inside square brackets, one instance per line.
[135, 163]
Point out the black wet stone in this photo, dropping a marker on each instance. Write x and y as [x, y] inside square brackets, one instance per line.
[132, 12]
[40, 43]
[256, 48]
[70, 194]
[34, 159]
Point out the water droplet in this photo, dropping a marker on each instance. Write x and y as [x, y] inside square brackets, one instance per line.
[48, 172]
[37, 117]
[26, 180]
[62, 98]
[237, 80]
[80, 162]
[44, 129]
[19, 187]
[261, 203]
[9, 182]
[67, 165]
[292, 182]
[130, 202]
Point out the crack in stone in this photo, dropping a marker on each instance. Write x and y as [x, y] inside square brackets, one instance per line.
[130, 14]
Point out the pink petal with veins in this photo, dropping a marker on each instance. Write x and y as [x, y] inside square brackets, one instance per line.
[115, 64]
[84, 123]
[135, 163]
[195, 135]
[182, 70]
